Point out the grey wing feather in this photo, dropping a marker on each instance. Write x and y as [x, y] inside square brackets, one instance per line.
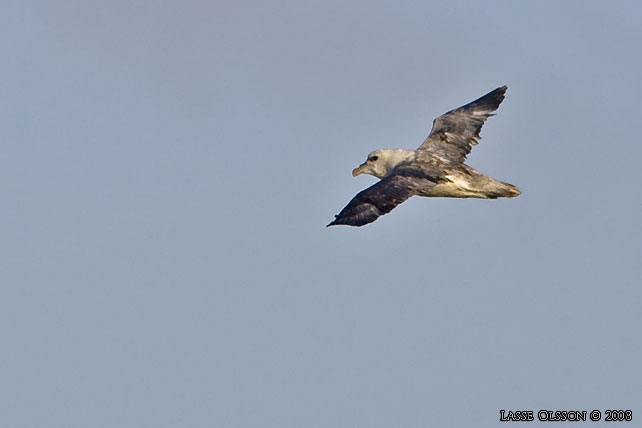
[384, 196]
[454, 133]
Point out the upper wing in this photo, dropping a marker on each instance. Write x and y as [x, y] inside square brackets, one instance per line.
[382, 197]
[454, 133]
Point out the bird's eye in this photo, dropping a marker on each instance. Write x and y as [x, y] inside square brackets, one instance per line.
[374, 158]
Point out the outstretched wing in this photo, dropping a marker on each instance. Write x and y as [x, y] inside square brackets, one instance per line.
[383, 197]
[455, 133]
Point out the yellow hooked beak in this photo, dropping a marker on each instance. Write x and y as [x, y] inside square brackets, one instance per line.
[359, 170]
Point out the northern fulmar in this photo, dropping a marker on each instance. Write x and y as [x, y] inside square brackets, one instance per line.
[435, 169]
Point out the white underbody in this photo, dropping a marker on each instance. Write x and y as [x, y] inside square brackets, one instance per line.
[454, 187]
[466, 182]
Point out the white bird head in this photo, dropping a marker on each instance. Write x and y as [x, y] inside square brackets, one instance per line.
[380, 162]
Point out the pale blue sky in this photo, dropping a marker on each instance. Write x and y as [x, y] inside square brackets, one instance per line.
[167, 170]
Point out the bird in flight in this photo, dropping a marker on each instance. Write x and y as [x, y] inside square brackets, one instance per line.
[435, 169]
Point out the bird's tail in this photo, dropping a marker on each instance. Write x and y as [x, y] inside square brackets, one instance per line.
[498, 189]
[488, 187]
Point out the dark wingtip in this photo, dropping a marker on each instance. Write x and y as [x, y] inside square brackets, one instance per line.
[490, 101]
[334, 222]
[497, 94]
[339, 222]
